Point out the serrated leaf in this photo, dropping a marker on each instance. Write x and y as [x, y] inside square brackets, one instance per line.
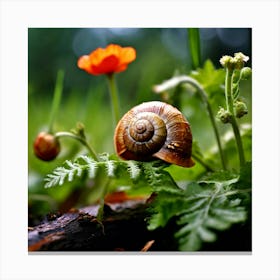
[198, 204]
[206, 235]
[190, 227]
[223, 177]
[70, 175]
[210, 78]
[202, 209]
[190, 243]
[217, 223]
[110, 166]
[186, 218]
[153, 171]
[235, 202]
[229, 215]
[133, 169]
[92, 166]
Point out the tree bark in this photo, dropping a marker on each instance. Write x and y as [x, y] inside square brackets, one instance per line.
[123, 228]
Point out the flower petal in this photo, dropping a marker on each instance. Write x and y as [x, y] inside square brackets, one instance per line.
[127, 55]
[97, 56]
[113, 58]
[120, 68]
[108, 65]
[113, 49]
[84, 62]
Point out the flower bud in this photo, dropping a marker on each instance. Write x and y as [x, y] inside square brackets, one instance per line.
[226, 60]
[240, 109]
[46, 146]
[234, 63]
[246, 73]
[240, 59]
[224, 115]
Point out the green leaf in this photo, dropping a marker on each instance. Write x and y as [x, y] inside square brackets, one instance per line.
[210, 78]
[217, 223]
[203, 209]
[245, 179]
[223, 177]
[133, 169]
[191, 243]
[91, 166]
[150, 173]
[164, 207]
[206, 235]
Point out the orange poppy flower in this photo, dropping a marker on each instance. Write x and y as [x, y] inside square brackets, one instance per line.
[112, 59]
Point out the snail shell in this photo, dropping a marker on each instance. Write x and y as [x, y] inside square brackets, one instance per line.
[154, 130]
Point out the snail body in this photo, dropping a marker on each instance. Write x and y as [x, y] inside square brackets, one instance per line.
[154, 130]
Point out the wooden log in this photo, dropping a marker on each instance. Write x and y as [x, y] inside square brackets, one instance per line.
[124, 228]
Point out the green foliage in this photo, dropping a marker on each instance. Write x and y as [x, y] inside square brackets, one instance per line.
[139, 173]
[210, 78]
[71, 170]
[213, 204]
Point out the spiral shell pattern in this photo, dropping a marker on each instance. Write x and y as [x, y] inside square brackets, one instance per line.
[154, 130]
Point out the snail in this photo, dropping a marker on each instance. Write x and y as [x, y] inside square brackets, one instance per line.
[154, 130]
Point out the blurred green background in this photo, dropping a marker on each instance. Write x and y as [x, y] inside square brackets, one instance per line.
[160, 53]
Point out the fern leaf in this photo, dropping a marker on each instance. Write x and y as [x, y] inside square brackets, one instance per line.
[205, 234]
[72, 170]
[218, 212]
[110, 167]
[61, 173]
[133, 169]
[51, 180]
[201, 210]
[92, 166]
[153, 171]
[217, 223]
[159, 179]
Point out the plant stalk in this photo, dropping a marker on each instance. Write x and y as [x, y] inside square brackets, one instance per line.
[230, 108]
[100, 213]
[203, 163]
[114, 98]
[80, 139]
[194, 45]
[56, 99]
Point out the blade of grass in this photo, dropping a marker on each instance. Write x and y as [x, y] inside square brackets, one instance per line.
[194, 47]
[56, 98]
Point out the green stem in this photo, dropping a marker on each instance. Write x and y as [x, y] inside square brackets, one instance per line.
[56, 99]
[80, 139]
[238, 139]
[212, 118]
[203, 163]
[186, 79]
[100, 212]
[230, 108]
[194, 45]
[114, 98]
